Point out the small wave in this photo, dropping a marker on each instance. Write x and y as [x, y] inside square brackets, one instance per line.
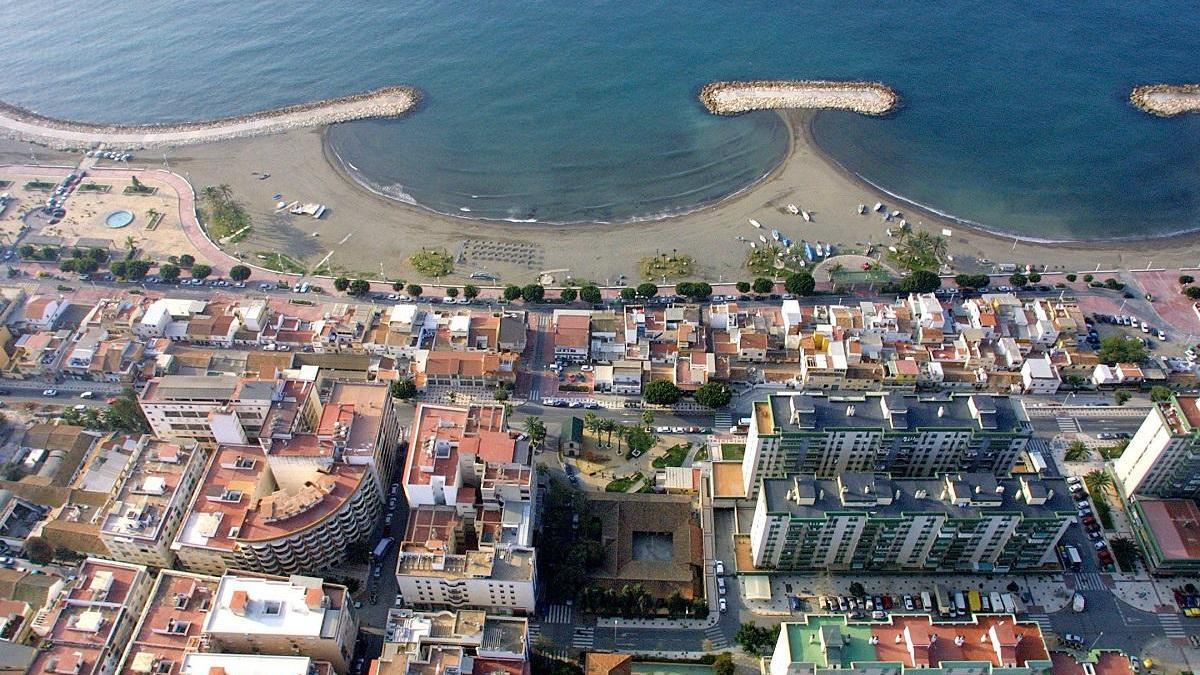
[519, 220]
[463, 208]
[351, 165]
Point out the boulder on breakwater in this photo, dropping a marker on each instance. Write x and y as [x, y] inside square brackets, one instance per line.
[26, 125]
[732, 98]
[1166, 100]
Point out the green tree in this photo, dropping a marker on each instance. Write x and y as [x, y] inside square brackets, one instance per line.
[628, 294]
[1088, 278]
[49, 253]
[1034, 278]
[1160, 394]
[723, 664]
[168, 272]
[137, 269]
[1192, 292]
[404, 389]
[639, 439]
[568, 294]
[714, 394]
[920, 281]
[512, 292]
[38, 551]
[1125, 552]
[87, 265]
[743, 287]
[67, 265]
[1122, 397]
[1071, 278]
[118, 268]
[1077, 451]
[972, 281]
[1097, 481]
[341, 284]
[857, 589]
[661, 392]
[536, 428]
[648, 417]
[800, 283]
[398, 285]
[239, 273]
[1117, 349]
[763, 285]
[200, 270]
[451, 292]
[360, 287]
[27, 251]
[125, 414]
[414, 290]
[533, 293]
[590, 294]
[647, 290]
[501, 394]
[470, 291]
[1185, 279]
[187, 260]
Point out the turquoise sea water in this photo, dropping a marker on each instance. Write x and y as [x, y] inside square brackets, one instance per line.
[1015, 113]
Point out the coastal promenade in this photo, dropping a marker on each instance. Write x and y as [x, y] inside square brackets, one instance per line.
[26, 125]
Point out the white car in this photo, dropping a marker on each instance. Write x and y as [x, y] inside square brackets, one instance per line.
[50, 392]
[722, 605]
[585, 368]
[720, 566]
[88, 394]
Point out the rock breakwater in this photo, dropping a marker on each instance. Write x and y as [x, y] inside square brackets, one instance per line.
[1167, 100]
[26, 125]
[732, 98]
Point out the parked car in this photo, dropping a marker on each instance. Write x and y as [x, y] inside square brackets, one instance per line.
[50, 392]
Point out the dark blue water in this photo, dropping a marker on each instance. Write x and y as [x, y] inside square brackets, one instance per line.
[1015, 114]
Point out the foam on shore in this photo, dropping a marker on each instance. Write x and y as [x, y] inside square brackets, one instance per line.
[732, 98]
[1167, 100]
[26, 125]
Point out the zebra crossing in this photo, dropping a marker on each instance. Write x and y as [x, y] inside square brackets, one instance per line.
[535, 631]
[722, 421]
[716, 637]
[559, 614]
[1068, 425]
[1089, 581]
[583, 638]
[1171, 626]
[1042, 620]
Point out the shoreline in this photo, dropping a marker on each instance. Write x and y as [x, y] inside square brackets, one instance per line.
[29, 126]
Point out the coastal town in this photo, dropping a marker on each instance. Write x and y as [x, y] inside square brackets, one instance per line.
[216, 461]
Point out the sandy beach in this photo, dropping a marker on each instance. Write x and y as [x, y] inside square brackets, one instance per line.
[365, 233]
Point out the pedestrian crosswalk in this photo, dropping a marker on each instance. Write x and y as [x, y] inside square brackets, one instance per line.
[1089, 581]
[558, 614]
[1042, 620]
[583, 638]
[722, 421]
[1171, 626]
[535, 631]
[1067, 425]
[714, 635]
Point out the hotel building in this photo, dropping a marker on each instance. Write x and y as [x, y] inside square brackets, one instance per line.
[1163, 457]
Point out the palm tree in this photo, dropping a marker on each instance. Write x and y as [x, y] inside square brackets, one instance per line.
[591, 421]
[1077, 452]
[621, 430]
[225, 191]
[608, 425]
[1097, 482]
[210, 193]
[130, 243]
[648, 417]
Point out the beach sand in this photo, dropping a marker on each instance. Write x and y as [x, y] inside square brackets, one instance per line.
[366, 232]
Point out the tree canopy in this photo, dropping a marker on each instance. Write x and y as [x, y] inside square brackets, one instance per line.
[714, 394]
[1116, 349]
[800, 283]
[661, 392]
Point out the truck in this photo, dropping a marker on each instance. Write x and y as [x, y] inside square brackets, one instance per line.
[381, 548]
[944, 605]
[997, 602]
[973, 601]
[960, 602]
[1010, 603]
[926, 602]
[1078, 603]
[1073, 557]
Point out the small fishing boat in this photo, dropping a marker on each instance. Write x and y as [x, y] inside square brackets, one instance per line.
[808, 250]
[792, 209]
[775, 235]
[895, 214]
[829, 251]
[862, 209]
[807, 216]
[753, 245]
[762, 239]
[755, 223]
[878, 206]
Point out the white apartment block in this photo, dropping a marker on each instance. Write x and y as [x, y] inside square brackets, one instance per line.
[209, 410]
[1163, 457]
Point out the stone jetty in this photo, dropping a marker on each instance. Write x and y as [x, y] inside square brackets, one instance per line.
[1167, 100]
[26, 125]
[732, 98]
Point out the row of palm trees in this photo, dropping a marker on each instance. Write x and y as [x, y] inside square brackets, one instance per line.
[598, 425]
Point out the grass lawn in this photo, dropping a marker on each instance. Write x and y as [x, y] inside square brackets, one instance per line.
[674, 456]
[732, 451]
[94, 187]
[663, 265]
[849, 277]
[433, 263]
[39, 185]
[279, 262]
[623, 484]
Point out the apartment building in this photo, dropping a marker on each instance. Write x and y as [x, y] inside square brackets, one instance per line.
[172, 625]
[968, 522]
[572, 335]
[151, 501]
[1163, 457]
[470, 531]
[985, 644]
[1040, 377]
[85, 631]
[905, 435]
[470, 642]
[211, 409]
[294, 616]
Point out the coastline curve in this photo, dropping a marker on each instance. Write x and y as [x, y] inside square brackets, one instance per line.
[736, 97]
[26, 125]
[1166, 100]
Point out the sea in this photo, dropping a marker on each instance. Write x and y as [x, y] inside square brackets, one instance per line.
[1015, 115]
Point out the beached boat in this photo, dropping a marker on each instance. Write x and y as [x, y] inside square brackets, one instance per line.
[762, 239]
[753, 245]
[309, 209]
[807, 216]
[755, 223]
[895, 214]
[878, 206]
[862, 209]
[808, 250]
[829, 251]
[775, 235]
[792, 209]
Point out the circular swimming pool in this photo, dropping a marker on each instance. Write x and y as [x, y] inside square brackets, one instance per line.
[118, 219]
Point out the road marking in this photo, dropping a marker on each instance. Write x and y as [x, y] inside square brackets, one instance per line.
[1171, 626]
[583, 638]
[1068, 425]
[1042, 620]
[558, 614]
[1089, 581]
[716, 637]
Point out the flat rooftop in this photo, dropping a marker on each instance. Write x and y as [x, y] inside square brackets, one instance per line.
[967, 495]
[811, 412]
[201, 663]
[150, 487]
[441, 433]
[1175, 526]
[174, 615]
[366, 404]
[300, 606]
